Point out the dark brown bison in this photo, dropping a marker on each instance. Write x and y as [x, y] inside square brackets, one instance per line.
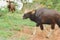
[11, 6]
[44, 16]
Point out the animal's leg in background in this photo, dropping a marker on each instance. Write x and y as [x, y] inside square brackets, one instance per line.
[12, 10]
[8, 10]
[51, 30]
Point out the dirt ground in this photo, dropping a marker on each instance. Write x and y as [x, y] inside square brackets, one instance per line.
[27, 33]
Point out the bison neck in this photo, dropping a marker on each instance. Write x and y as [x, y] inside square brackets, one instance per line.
[34, 18]
[38, 20]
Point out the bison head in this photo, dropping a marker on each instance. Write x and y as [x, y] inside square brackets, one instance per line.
[28, 14]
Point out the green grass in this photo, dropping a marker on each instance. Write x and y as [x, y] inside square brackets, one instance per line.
[5, 33]
[12, 22]
[24, 37]
[13, 19]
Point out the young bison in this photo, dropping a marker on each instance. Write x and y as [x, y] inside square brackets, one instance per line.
[44, 16]
[11, 6]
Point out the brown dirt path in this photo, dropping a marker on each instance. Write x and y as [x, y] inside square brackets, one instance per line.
[27, 32]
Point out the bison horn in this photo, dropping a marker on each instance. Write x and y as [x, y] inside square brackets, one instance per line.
[33, 11]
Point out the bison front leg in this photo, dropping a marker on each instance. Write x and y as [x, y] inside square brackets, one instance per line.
[35, 28]
[41, 27]
[34, 31]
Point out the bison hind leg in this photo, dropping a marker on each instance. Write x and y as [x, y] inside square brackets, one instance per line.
[58, 22]
[50, 33]
[58, 25]
[51, 30]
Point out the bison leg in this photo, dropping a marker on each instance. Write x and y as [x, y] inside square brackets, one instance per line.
[34, 32]
[49, 33]
[52, 26]
[14, 9]
[41, 27]
[35, 29]
[58, 24]
[51, 30]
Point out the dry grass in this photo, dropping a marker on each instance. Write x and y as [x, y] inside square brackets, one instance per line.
[26, 34]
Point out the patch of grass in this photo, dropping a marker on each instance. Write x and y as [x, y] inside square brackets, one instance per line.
[24, 37]
[5, 34]
[13, 22]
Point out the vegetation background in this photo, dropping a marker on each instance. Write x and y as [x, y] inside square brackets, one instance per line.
[11, 23]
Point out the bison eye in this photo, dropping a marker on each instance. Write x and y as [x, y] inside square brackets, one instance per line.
[24, 16]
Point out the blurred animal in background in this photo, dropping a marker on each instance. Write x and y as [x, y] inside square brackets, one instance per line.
[11, 6]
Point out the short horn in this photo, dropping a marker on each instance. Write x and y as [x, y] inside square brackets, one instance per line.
[33, 11]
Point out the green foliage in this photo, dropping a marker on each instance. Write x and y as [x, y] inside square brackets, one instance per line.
[52, 4]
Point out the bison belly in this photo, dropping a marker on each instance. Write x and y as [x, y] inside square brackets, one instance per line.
[47, 22]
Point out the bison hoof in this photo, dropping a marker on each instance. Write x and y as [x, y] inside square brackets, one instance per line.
[47, 37]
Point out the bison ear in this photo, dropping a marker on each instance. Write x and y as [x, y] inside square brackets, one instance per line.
[33, 11]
